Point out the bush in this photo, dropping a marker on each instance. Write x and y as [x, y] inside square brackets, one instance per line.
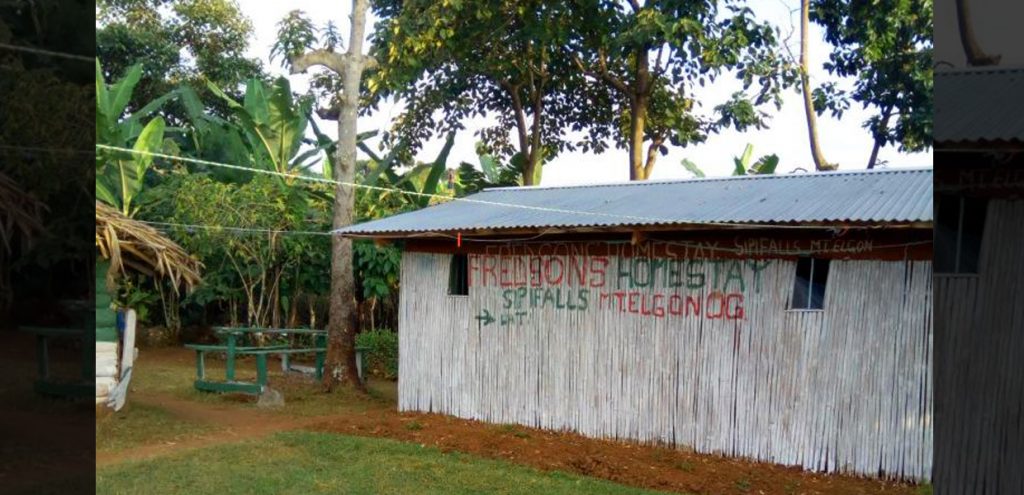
[382, 352]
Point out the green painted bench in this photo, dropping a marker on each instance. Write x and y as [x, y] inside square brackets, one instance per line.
[230, 384]
[46, 384]
[234, 345]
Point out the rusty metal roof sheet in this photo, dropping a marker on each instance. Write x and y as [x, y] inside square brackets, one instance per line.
[878, 196]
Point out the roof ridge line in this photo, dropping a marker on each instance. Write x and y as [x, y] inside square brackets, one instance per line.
[830, 173]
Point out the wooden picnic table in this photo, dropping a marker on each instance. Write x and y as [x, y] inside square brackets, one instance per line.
[235, 337]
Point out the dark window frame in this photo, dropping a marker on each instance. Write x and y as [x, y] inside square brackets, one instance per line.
[966, 252]
[813, 300]
[458, 275]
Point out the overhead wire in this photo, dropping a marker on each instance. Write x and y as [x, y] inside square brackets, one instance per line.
[636, 219]
[42, 51]
[324, 180]
[72, 56]
[189, 226]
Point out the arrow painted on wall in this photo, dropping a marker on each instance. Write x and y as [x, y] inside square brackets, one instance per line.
[485, 317]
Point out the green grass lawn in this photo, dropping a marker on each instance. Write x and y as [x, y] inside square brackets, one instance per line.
[139, 424]
[307, 462]
[303, 395]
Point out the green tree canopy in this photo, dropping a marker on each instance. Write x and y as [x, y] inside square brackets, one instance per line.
[453, 60]
[184, 41]
[886, 47]
[652, 56]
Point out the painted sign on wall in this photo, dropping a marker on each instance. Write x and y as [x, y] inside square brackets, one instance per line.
[692, 285]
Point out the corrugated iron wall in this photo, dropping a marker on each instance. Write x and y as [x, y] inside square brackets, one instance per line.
[979, 325]
[845, 389]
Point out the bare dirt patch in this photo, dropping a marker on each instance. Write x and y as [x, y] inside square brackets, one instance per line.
[627, 463]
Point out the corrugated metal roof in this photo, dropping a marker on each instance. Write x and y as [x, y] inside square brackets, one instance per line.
[979, 105]
[879, 196]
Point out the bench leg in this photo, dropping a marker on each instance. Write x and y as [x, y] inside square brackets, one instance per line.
[229, 363]
[261, 370]
[200, 365]
[320, 341]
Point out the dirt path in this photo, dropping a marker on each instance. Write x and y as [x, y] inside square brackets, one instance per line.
[231, 425]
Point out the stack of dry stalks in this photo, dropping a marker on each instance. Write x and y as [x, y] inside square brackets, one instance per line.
[129, 243]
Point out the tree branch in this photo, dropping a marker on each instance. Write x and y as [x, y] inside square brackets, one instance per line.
[602, 74]
[331, 60]
[517, 108]
[658, 68]
[324, 58]
[652, 154]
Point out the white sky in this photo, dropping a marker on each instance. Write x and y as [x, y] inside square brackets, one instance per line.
[844, 141]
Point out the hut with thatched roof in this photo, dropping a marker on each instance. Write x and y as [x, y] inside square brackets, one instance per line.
[125, 244]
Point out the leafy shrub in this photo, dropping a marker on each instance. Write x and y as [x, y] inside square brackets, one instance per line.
[382, 352]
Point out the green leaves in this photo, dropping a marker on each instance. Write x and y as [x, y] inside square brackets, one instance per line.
[377, 268]
[436, 171]
[743, 161]
[120, 175]
[450, 61]
[651, 57]
[491, 174]
[274, 123]
[886, 47]
[764, 165]
[121, 179]
[297, 34]
[741, 164]
[692, 168]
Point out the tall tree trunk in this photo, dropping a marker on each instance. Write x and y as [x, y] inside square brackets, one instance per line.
[638, 116]
[293, 309]
[886, 115]
[975, 55]
[652, 155]
[637, 121]
[343, 319]
[805, 80]
[528, 137]
[341, 353]
[534, 159]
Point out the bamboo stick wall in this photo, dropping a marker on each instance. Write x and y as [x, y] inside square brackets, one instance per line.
[844, 389]
[979, 341]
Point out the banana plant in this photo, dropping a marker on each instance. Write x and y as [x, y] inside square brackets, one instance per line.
[491, 174]
[421, 181]
[764, 165]
[273, 123]
[120, 174]
[215, 139]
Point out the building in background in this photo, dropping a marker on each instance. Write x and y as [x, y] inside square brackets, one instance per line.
[783, 318]
[979, 320]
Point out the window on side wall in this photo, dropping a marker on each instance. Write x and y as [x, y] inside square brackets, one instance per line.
[959, 225]
[458, 275]
[809, 284]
